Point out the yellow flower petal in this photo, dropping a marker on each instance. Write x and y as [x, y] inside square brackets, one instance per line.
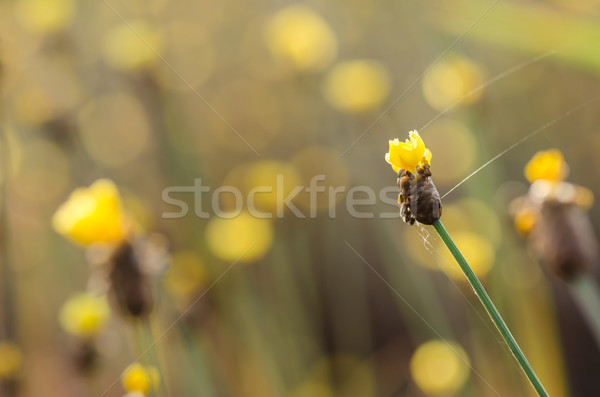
[407, 155]
[548, 165]
[92, 215]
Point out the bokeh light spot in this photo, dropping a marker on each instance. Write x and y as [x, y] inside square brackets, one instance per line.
[302, 38]
[242, 238]
[114, 129]
[357, 86]
[450, 81]
[44, 16]
[124, 49]
[439, 368]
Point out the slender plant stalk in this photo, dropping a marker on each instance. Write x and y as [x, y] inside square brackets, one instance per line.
[587, 296]
[491, 309]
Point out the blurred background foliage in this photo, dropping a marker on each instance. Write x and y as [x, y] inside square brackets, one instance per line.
[157, 93]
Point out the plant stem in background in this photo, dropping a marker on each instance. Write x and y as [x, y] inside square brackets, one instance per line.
[7, 282]
[587, 296]
[490, 309]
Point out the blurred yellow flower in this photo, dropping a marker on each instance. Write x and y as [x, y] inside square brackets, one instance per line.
[357, 86]
[477, 250]
[84, 315]
[45, 16]
[140, 378]
[450, 81]
[244, 238]
[92, 215]
[548, 165]
[300, 36]
[132, 46]
[10, 360]
[439, 368]
[525, 220]
[408, 154]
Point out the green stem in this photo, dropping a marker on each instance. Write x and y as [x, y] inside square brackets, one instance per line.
[491, 309]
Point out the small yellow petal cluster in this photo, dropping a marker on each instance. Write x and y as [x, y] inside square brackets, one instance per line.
[92, 215]
[10, 360]
[140, 378]
[408, 154]
[357, 86]
[439, 368]
[300, 36]
[549, 165]
[84, 315]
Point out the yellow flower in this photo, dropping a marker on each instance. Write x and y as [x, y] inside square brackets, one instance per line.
[10, 360]
[548, 165]
[439, 368]
[408, 154]
[140, 378]
[92, 215]
[84, 314]
[301, 37]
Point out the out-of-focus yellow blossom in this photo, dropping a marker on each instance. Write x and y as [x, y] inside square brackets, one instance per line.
[244, 238]
[10, 360]
[450, 81]
[549, 165]
[44, 16]
[439, 368]
[185, 275]
[92, 215]
[300, 36]
[124, 48]
[84, 314]
[140, 378]
[525, 220]
[357, 86]
[408, 154]
[477, 250]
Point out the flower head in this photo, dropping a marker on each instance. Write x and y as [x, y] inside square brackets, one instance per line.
[84, 315]
[140, 378]
[92, 215]
[549, 165]
[408, 154]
